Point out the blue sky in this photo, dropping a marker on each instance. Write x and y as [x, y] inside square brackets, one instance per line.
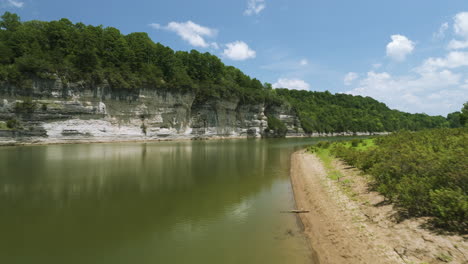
[411, 55]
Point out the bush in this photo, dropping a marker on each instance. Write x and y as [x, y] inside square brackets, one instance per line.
[277, 126]
[451, 208]
[425, 173]
[12, 124]
[312, 149]
[412, 192]
[27, 106]
[323, 144]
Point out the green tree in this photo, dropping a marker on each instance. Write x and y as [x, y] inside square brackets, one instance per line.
[10, 21]
[454, 119]
[464, 115]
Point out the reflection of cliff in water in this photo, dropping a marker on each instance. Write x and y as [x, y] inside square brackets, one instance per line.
[116, 192]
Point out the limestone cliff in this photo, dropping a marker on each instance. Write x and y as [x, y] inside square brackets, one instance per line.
[51, 111]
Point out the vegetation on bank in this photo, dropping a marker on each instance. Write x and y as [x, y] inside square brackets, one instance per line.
[425, 172]
[275, 125]
[325, 112]
[97, 55]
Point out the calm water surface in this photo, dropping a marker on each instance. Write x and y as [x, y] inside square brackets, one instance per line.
[172, 202]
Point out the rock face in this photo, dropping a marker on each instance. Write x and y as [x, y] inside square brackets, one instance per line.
[50, 111]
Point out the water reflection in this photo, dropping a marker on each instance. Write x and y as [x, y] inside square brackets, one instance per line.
[149, 202]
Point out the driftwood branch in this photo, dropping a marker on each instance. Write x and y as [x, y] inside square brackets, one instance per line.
[296, 211]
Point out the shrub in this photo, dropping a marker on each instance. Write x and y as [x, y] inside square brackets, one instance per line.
[143, 128]
[12, 124]
[27, 106]
[450, 206]
[323, 144]
[277, 126]
[425, 173]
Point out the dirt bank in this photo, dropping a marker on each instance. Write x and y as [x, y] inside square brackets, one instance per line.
[348, 223]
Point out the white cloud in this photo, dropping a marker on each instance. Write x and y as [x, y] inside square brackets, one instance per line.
[453, 60]
[155, 25]
[399, 47]
[238, 50]
[292, 84]
[350, 77]
[440, 34]
[438, 92]
[376, 65]
[457, 44]
[11, 3]
[191, 32]
[254, 7]
[433, 87]
[304, 62]
[439, 85]
[460, 25]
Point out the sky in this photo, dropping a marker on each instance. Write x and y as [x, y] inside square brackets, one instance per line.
[411, 55]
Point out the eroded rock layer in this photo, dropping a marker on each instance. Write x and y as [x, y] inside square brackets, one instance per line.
[52, 111]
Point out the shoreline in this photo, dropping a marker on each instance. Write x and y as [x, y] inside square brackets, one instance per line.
[110, 141]
[71, 141]
[347, 222]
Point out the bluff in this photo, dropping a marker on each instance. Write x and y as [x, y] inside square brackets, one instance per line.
[51, 111]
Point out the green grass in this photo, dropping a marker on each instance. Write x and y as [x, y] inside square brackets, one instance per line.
[327, 159]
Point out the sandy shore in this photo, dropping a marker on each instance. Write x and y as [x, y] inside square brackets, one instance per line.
[348, 223]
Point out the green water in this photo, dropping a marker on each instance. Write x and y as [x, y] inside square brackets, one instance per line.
[172, 202]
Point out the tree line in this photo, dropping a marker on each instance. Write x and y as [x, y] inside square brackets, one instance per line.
[324, 112]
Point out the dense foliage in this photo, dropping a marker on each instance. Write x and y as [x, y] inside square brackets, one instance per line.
[325, 112]
[425, 172]
[94, 54]
[464, 115]
[278, 127]
[458, 119]
[99, 55]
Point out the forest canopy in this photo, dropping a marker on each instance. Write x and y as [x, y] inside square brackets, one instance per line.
[97, 54]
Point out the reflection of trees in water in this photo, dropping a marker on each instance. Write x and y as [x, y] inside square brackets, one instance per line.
[132, 191]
